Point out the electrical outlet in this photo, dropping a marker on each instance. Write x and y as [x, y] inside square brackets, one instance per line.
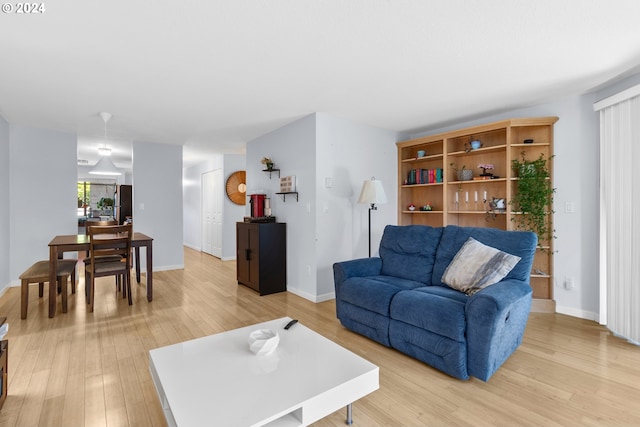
[569, 207]
[569, 283]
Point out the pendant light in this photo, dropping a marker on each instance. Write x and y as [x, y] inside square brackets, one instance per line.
[105, 166]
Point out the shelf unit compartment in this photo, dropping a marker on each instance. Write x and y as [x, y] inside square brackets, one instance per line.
[476, 219]
[489, 138]
[474, 158]
[432, 219]
[492, 188]
[421, 195]
[415, 172]
[531, 152]
[542, 287]
[541, 263]
[432, 148]
[540, 134]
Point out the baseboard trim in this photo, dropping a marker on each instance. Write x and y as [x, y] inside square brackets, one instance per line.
[195, 248]
[311, 297]
[575, 312]
[165, 268]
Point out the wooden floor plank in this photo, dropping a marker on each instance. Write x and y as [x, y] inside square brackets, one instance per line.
[83, 368]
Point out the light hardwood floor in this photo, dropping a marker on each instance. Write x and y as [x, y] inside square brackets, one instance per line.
[92, 368]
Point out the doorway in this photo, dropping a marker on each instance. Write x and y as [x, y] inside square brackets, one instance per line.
[212, 189]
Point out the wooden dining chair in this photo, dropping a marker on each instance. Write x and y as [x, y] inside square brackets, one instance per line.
[88, 225]
[109, 241]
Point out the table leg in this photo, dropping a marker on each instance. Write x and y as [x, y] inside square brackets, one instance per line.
[53, 267]
[149, 271]
[349, 414]
[137, 254]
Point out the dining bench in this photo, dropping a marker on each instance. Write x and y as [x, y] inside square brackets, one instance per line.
[39, 273]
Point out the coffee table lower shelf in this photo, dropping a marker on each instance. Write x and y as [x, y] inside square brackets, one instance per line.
[216, 380]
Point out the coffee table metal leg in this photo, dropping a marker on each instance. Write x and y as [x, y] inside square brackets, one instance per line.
[349, 415]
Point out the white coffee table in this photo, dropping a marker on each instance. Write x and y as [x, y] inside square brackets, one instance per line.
[218, 381]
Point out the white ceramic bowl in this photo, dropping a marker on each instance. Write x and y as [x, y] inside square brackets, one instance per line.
[263, 341]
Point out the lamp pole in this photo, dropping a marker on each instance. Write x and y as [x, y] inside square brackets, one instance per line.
[372, 193]
[373, 207]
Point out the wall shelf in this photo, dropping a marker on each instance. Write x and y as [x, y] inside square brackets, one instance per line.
[284, 195]
[272, 170]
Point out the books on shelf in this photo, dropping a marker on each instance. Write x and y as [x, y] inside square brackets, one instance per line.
[424, 176]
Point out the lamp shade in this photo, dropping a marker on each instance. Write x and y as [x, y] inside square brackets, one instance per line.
[372, 192]
[105, 167]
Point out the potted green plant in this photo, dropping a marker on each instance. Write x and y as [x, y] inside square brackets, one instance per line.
[533, 197]
[105, 202]
[267, 162]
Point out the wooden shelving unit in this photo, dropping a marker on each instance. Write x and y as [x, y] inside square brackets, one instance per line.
[501, 143]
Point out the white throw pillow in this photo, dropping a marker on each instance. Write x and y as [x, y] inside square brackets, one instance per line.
[477, 266]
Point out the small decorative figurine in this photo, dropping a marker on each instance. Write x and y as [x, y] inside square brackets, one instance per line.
[485, 167]
[412, 207]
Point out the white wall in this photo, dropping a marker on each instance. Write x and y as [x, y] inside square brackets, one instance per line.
[292, 148]
[326, 225]
[43, 194]
[232, 213]
[575, 175]
[157, 201]
[349, 153]
[5, 225]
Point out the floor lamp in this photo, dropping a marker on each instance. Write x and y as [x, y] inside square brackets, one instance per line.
[372, 193]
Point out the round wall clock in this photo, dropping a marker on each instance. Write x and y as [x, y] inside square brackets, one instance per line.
[237, 187]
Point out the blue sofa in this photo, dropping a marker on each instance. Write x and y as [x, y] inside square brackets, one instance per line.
[400, 301]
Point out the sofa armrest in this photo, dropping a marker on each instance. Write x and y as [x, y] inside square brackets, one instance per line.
[363, 267]
[496, 319]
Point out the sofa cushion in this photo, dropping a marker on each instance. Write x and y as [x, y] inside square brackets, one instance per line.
[518, 243]
[477, 266]
[444, 291]
[409, 251]
[374, 293]
[435, 313]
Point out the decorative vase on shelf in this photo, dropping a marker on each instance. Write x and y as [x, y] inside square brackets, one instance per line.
[269, 166]
[465, 175]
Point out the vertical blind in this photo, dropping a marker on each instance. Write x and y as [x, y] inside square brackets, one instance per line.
[620, 213]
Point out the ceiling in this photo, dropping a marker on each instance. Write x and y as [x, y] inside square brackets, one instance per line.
[212, 75]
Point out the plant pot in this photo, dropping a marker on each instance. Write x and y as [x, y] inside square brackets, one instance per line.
[269, 166]
[465, 175]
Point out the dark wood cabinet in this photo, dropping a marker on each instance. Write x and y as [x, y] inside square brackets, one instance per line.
[261, 256]
[4, 377]
[124, 203]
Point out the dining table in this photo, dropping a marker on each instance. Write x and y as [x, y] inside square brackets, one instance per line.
[80, 242]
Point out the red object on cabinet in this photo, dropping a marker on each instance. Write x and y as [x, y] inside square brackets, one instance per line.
[257, 205]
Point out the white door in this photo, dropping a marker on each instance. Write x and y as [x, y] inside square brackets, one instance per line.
[212, 199]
